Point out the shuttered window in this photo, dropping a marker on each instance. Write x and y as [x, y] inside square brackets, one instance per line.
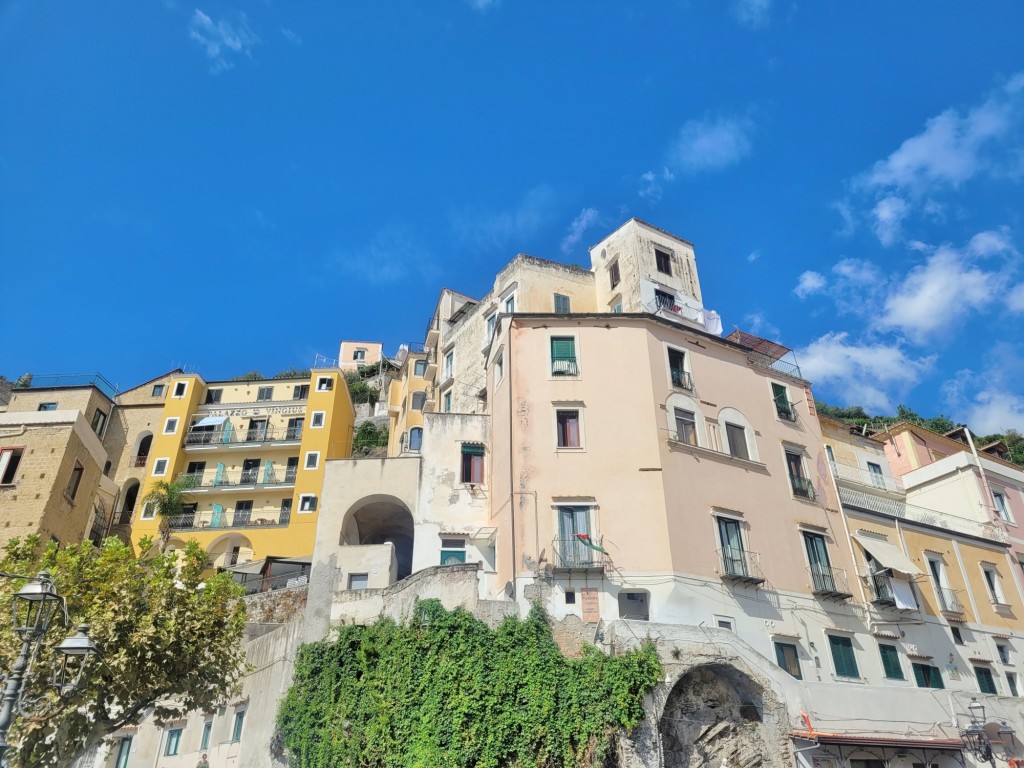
[842, 656]
[986, 683]
[788, 659]
[927, 676]
[891, 661]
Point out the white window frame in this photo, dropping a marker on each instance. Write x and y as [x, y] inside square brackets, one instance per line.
[720, 619]
[6, 456]
[359, 354]
[733, 416]
[448, 369]
[686, 403]
[313, 418]
[564, 334]
[156, 465]
[1008, 659]
[686, 366]
[995, 589]
[171, 425]
[315, 457]
[1002, 508]
[148, 511]
[412, 400]
[491, 324]
[184, 389]
[571, 405]
[259, 392]
[506, 301]
[324, 384]
[302, 503]
[568, 303]
[446, 400]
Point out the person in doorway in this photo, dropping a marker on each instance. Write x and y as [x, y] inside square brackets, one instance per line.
[203, 762]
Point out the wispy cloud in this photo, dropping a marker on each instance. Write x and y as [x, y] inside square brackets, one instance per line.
[483, 228]
[845, 211]
[586, 219]
[1015, 300]
[888, 217]
[752, 13]
[759, 325]
[222, 40]
[992, 401]
[711, 144]
[753, 256]
[651, 183]
[392, 255]
[291, 36]
[809, 282]
[482, 5]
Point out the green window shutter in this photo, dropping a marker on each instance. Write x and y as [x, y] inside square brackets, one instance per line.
[891, 662]
[842, 655]
[986, 683]
[779, 393]
[921, 676]
[472, 449]
[563, 348]
[936, 678]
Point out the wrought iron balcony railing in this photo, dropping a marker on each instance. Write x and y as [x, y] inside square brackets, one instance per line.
[574, 552]
[865, 477]
[785, 410]
[829, 582]
[231, 437]
[564, 366]
[220, 478]
[237, 518]
[740, 566]
[802, 487]
[140, 461]
[682, 379]
[948, 601]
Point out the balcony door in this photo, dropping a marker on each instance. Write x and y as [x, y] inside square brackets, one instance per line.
[250, 471]
[733, 557]
[821, 569]
[257, 431]
[573, 521]
[294, 429]
[243, 513]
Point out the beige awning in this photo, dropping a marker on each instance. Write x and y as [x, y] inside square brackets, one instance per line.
[888, 555]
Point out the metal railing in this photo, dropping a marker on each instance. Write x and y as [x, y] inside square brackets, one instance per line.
[574, 553]
[564, 366]
[802, 487]
[900, 509]
[217, 478]
[238, 518]
[866, 477]
[682, 379]
[140, 461]
[785, 410]
[740, 565]
[43, 380]
[255, 583]
[254, 435]
[829, 581]
[770, 363]
[948, 601]
[881, 587]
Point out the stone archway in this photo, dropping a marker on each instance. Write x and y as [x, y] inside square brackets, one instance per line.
[717, 715]
[379, 520]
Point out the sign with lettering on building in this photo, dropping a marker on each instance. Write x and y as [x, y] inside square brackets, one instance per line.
[272, 410]
[591, 606]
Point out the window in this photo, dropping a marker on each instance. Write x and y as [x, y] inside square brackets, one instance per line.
[415, 439]
[171, 425]
[47, 407]
[677, 369]
[213, 396]
[573, 535]
[664, 261]
[568, 428]
[617, 308]
[358, 580]
[570, 597]
[822, 579]
[563, 356]
[419, 368]
[510, 304]
[1004, 653]
[831, 456]
[995, 591]
[418, 400]
[686, 426]
[927, 676]
[316, 421]
[204, 742]
[986, 682]
[10, 458]
[1011, 682]
[999, 499]
[446, 402]
[472, 463]
[148, 511]
[453, 551]
[180, 388]
[561, 304]
[158, 390]
[737, 437]
[891, 661]
[787, 657]
[664, 299]
[957, 637]
[307, 502]
[875, 471]
[312, 459]
[449, 365]
[782, 405]
[173, 742]
[264, 393]
[160, 467]
[613, 274]
[300, 392]
[236, 731]
[492, 322]
[324, 384]
[734, 558]
[499, 368]
[124, 749]
[802, 487]
[359, 354]
[723, 622]
[285, 515]
[842, 656]
[75, 481]
[99, 421]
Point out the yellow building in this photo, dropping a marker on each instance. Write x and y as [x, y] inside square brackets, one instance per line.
[252, 454]
[408, 396]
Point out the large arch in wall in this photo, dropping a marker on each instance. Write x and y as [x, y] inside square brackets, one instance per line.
[379, 519]
[129, 500]
[230, 549]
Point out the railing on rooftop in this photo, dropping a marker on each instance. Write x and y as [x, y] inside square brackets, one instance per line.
[258, 582]
[43, 380]
[774, 364]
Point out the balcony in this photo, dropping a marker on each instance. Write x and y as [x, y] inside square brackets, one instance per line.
[851, 474]
[740, 567]
[949, 602]
[802, 487]
[239, 518]
[564, 366]
[225, 438]
[573, 554]
[140, 461]
[785, 410]
[829, 583]
[238, 479]
[682, 379]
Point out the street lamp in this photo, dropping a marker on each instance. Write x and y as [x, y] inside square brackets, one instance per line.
[32, 611]
[975, 739]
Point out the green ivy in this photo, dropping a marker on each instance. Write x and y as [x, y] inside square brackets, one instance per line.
[447, 690]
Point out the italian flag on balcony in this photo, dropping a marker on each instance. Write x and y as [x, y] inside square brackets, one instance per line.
[585, 540]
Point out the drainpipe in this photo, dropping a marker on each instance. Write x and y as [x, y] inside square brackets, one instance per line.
[511, 459]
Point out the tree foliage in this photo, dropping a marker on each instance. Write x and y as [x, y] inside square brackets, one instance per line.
[169, 641]
[250, 376]
[293, 373]
[368, 438]
[447, 690]
[360, 390]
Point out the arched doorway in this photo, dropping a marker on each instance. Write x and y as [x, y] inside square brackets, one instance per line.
[145, 442]
[130, 498]
[718, 715]
[379, 520]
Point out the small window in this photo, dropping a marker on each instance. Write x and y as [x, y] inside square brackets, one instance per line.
[563, 356]
[148, 511]
[686, 426]
[415, 439]
[324, 384]
[124, 750]
[47, 407]
[995, 591]
[180, 388]
[957, 637]
[570, 597]
[264, 393]
[664, 262]
[358, 581]
[213, 396]
[617, 308]
[875, 473]
[359, 354]
[171, 425]
[10, 458]
[236, 730]
[891, 661]
[300, 392]
[999, 499]
[446, 402]
[677, 369]
[1004, 653]
[568, 427]
[783, 407]
[613, 274]
[160, 467]
[472, 464]
[419, 399]
[173, 742]
[158, 390]
[927, 676]
[453, 551]
[723, 622]
[307, 502]
[561, 304]
[492, 323]
[419, 368]
[449, 365]
[664, 299]
[510, 304]
[798, 481]
[76, 479]
[787, 657]
[99, 421]
[737, 437]
[312, 459]
[316, 421]
[986, 682]
[1011, 682]
[843, 656]
[204, 742]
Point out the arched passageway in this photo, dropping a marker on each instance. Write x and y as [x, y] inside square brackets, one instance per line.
[130, 498]
[379, 521]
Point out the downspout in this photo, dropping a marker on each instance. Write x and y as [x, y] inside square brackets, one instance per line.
[987, 494]
[511, 458]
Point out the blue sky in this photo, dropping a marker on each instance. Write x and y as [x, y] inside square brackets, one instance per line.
[231, 185]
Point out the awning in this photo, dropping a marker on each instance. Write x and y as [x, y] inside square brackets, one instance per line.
[211, 421]
[898, 742]
[254, 566]
[888, 555]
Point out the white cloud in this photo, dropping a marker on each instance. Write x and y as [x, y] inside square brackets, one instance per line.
[889, 214]
[482, 5]
[857, 271]
[845, 211]
[291, 37]
[990, 402]
[995, 410]
[808, 283]
[1015, 299]
[651, 187]
[392, 254]
[753, 256]
[221, 39]
[752, 13]
[991, 243]
[936, 295]
[497, 229]
[871, 375]
[587, 218]
[759, 325]
[711, 144]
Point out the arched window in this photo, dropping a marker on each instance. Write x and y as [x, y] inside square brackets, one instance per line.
[143, 451]
[686, 421]
[415, 439]
[418, 399]
[739, 434]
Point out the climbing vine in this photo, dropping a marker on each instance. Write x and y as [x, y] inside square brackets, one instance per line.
[447, 690]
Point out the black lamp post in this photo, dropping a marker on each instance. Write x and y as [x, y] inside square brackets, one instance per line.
[975, 739]
[32, 610]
